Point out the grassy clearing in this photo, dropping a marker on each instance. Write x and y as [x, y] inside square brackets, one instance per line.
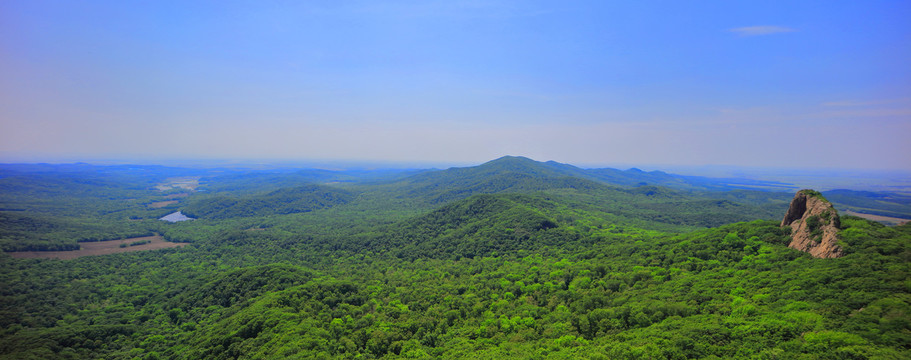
[161, 204]
[101, 248]
[883, 219]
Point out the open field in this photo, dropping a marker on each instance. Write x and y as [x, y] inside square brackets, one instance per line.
[184, 182]
[100, 248]
[884, 219]
[161, 204]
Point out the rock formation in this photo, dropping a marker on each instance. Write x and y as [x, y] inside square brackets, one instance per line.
[814, 225]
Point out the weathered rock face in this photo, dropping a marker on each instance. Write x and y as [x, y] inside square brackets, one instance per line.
[814, 225]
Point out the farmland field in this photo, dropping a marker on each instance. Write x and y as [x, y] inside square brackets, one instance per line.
[184, 182]
[883, 219]
[101, 248]
[161, 204]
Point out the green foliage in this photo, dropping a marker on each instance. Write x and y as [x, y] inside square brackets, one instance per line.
[813, 193]
[282, 201]
[480, 225]
[39, 232]
[813, 222]
[237, 286]
[527, 272]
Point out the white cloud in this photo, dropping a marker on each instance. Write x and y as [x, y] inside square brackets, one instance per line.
[761, 30]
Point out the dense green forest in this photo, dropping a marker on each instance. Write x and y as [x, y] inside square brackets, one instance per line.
[282, 201]
[510, 259]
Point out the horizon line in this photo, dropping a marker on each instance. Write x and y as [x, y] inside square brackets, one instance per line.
[375, 164]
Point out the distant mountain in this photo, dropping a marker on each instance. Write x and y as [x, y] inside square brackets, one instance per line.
[647, 206]
[625, 178]
[504, 175]
[637, 177]
[520, 174]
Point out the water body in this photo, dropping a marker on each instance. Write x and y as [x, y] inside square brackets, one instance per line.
[175, 217]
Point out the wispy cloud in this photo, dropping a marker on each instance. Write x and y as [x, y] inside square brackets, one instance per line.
[855, 103]
[761, 30]
[866, 113]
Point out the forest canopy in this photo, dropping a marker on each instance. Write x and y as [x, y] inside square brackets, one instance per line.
[510, 259]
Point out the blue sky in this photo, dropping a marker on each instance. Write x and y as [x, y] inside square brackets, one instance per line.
[774, 84]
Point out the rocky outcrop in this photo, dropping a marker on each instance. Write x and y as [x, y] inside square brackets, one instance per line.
[814, 225]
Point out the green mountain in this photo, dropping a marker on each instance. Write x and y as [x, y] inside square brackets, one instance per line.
[503, 175]
[525, 176]
[627, 178]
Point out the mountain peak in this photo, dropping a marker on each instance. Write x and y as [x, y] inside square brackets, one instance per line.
[510, 159]
[520, 164]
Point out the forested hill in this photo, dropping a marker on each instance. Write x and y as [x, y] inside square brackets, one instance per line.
[509, 259]
[282, 201]
[519, 174]
[628, 178]
[504, 175]
[651, 206]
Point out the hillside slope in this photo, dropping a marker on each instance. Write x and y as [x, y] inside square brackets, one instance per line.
[282, 201]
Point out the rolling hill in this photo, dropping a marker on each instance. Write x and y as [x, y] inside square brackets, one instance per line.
[290, 200]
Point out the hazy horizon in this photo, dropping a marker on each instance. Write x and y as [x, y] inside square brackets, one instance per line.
[346, 164]
[649, 85]
[807, 177]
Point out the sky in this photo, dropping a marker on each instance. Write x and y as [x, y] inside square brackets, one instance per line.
[822, 84]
